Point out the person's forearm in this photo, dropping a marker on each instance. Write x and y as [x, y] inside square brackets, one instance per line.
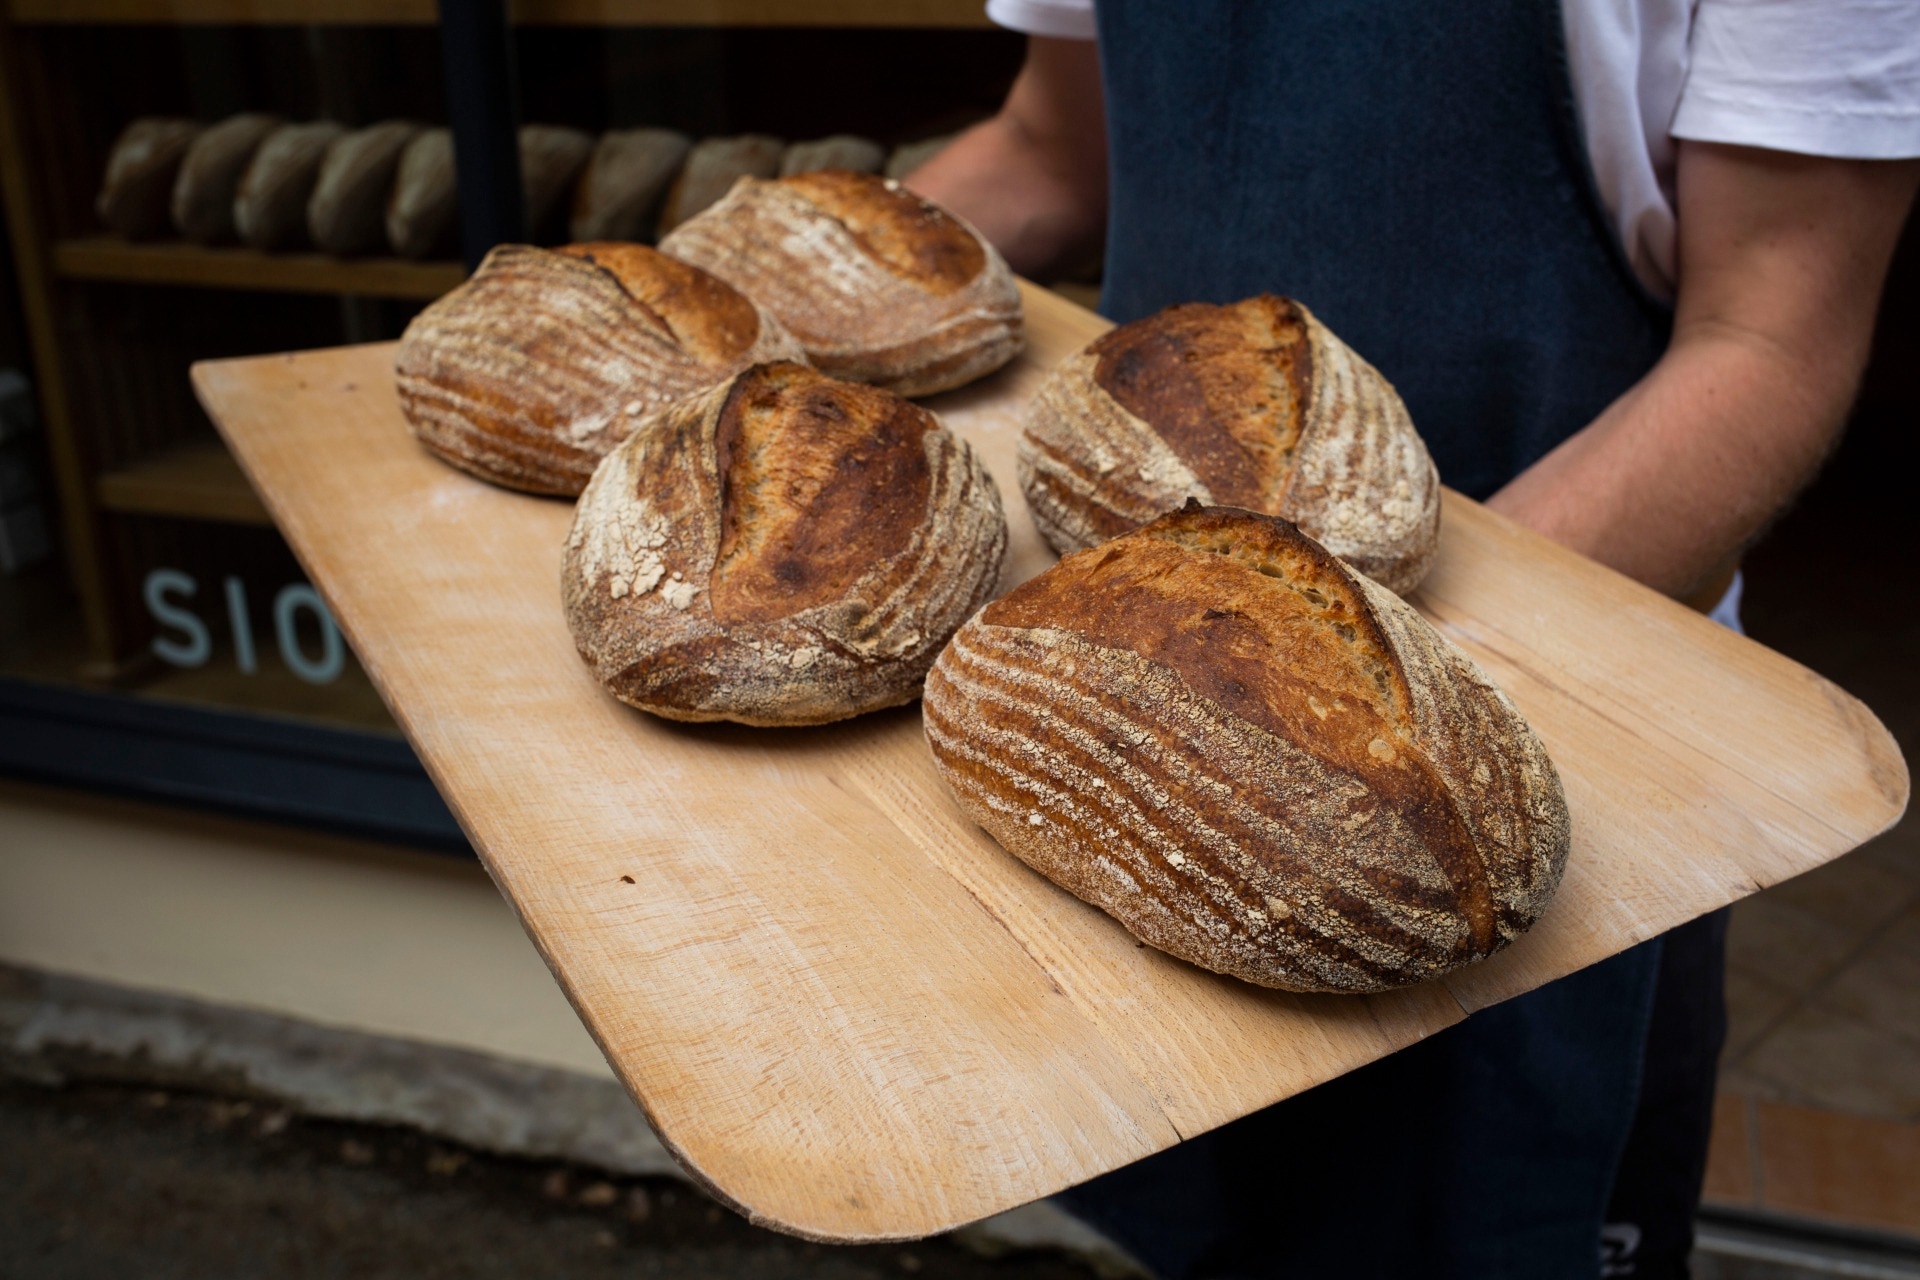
[1033, 178]
[1781, 261]
[1679, 475]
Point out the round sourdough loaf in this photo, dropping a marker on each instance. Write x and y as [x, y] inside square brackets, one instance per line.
[531, 371]
[1255, 405]
[878, 284]
[784, 549]
[1252, 757]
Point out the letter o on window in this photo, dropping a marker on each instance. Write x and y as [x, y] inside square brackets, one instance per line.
[333, 654]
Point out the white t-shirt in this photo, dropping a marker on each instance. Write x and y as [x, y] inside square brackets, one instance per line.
[1819, 77]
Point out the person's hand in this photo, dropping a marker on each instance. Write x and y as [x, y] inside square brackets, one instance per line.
[1033, 178]
[1781, 262]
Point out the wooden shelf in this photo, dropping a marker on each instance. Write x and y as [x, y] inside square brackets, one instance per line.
[198, 480]
[102, 258]
[563, 13]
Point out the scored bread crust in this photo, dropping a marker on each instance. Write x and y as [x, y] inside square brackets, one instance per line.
[878, 285]
[1252, 757]
[1256, 404]
[784, 549]
[535, 368]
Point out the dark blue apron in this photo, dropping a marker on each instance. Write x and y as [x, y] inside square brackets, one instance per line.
[1412, 171]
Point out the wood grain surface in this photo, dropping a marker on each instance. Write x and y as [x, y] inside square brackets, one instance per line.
[843, 1007]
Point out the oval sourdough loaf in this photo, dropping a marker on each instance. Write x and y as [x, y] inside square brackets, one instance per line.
[137, 190]
[625, 180]
[878, 284]
[346, 214]
[1252, 757]
[1255, 405]
[270, 208]
[531, 371]
[426, 196]
[785, 549]
[210, 176]
[710, 170]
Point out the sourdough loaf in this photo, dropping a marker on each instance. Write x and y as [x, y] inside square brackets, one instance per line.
[210, 176]
[625, 180]
[878, 284]
[711, 169]
[785, 549]
[137, 189]
[531, 371]
[270, 208]
[425, 196]
[1256, 405]
[551, 158]
[1252, 757]
[346, 214]
[836, 151]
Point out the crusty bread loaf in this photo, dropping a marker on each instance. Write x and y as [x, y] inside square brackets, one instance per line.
[1252, 757]
[878, 284]
[527, 374]
[551, 158]
[836, 151]
[210, 176]
[270, 208]
[137, 190]
[346, 214]
[909, 156]
[425, 196]
[785, 549]
[711, 169]
[626, 178]
[1256, 405]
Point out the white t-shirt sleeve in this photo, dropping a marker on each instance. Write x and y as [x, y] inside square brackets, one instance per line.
[1819, 77]
[1062, 19]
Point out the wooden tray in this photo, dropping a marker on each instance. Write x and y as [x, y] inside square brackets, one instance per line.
[842, 1006]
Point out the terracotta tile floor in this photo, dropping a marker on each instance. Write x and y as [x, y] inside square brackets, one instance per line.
[1819, 1115]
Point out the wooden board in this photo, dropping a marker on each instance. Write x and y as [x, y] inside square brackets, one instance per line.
[843, 1006]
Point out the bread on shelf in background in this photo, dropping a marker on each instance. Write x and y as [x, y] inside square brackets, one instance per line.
[136, 193]
[710, 170]
[909, 156]
[1255, 404]
[346, 214]
[1252, 757]
[877, 283]
[839, 151]
[270, 207]
[786, 549]
[210, 176]
[626, 179]
[425, 199]
[531, 371]
[551, 158]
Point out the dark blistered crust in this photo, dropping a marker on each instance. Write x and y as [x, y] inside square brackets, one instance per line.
[820, 479]
[1224, 386]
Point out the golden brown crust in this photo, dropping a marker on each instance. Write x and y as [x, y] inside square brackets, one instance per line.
[1254, 404]
[531, 371]
[783, 549]
[1252, 757]
[878, 285]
